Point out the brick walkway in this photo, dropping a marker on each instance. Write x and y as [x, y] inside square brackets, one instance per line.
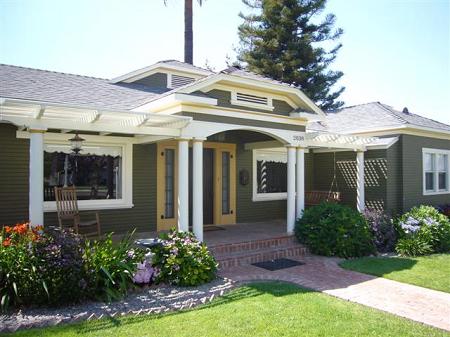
[323, 274]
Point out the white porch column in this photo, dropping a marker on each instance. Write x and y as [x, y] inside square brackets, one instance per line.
[360, 193]
[197, 188]
[300, 180]
[290, 216]
[183, 185]
[36, 177]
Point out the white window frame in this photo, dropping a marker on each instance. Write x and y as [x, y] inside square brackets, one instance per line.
[435, 190]
[234, 101]
[278, 154]
[126, 146]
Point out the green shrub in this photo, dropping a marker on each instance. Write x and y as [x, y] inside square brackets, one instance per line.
[38, 266]
[424, 230]
[334, 230]
[109, 267]
[183, 260]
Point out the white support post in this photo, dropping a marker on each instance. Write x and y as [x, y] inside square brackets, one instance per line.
[360, 193]
[290, 217]
[36, 177]
[300, 180]
[183, 185]
[197, 188]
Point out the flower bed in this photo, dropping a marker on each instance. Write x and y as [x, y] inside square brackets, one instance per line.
[423, 230]
[49, 266]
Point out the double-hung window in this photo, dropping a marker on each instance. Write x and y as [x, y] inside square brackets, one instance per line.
[436, 178]
[269, 175]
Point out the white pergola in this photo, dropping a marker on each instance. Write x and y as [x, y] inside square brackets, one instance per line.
[37, 117]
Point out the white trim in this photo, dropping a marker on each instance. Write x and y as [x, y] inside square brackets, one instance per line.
[127, 173]
[280, 154]
[247, 90]
[174, 99]
[159, 67]
[302, 99]
[82, 118]
[404, 130]
[426, 192]
[235, 100]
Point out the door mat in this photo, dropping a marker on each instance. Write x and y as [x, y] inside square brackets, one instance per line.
[277, 264]
[213, 228]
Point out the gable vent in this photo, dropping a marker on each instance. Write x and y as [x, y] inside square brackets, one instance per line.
[251, 99]
[176, 81]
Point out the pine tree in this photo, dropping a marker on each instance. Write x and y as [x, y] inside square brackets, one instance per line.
[287, 40]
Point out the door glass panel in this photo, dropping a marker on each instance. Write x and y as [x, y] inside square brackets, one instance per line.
[225, 183]
[169, 155]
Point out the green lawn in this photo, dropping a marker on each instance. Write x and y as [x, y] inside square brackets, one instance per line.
[259, 309]
[428, 271]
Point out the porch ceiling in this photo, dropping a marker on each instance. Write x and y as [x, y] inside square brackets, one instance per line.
[46, 115]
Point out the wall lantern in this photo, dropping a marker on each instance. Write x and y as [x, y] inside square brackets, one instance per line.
[76, 143]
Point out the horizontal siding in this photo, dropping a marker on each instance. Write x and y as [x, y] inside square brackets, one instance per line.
[14, 162]
[14, 154]
[375, 176]
[394, 186]
[412, 171]
[142, 216]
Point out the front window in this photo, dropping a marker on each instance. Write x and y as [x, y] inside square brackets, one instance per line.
[436, 171]
[95, 172]
[270, 174]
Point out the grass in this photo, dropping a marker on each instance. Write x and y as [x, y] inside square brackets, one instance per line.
[258, 309]
[428, 271]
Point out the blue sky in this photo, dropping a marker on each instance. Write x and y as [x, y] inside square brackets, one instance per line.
[396, 52]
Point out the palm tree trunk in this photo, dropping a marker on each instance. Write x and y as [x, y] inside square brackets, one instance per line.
[188, 35]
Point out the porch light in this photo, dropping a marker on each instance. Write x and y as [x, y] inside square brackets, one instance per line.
[76, 143]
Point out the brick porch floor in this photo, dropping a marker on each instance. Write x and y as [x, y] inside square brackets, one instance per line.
[323, 274]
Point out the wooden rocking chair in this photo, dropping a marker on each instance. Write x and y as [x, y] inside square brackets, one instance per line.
[67, 208]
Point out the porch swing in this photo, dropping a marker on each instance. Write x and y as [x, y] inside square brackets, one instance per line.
[316, 197]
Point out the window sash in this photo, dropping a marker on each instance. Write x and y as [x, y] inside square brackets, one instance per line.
[260, 155]
[125, 188]
[436, 171]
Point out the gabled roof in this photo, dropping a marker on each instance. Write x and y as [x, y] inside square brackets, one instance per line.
[172, 65]
[50, 86]
[372, 117]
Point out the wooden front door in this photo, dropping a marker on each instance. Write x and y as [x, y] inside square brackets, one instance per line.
[219, 184]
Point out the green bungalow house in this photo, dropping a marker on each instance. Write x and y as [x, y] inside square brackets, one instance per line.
[177, 145]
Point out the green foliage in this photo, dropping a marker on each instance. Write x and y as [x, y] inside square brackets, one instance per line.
[423, 230]
[109, 268]
[287, 40]
[38, 267]
[183, 260]
[412, 247]
[334, 230]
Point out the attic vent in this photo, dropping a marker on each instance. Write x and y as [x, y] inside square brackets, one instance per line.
[176, 81]
[251, 99]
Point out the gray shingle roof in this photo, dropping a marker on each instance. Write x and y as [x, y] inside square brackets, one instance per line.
[55, 87]
[372, 116]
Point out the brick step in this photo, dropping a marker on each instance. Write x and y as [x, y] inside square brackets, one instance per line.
[249, 257]
[252, 246]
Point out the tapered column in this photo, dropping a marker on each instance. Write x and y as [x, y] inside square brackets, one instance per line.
[290, 217]
[36, 177]
[300, 181]
[197, 188]
[183, 185]
[360, 193]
